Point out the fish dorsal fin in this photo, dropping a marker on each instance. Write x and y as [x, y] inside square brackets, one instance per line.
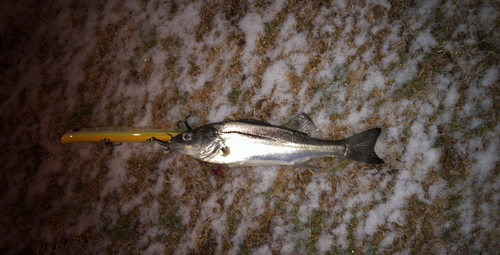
[302, 123]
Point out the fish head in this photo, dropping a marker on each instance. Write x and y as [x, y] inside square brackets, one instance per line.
[195, 143]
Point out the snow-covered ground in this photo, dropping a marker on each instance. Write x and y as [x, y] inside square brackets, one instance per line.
[426, 72]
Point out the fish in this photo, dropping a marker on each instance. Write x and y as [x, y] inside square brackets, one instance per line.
[249, 142]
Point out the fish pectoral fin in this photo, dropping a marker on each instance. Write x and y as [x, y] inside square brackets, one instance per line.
[302, 123]
[225, 150]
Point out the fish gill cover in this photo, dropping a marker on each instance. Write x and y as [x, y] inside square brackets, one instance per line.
[426, 72]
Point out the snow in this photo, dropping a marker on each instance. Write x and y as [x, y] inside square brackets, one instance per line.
[426, 74]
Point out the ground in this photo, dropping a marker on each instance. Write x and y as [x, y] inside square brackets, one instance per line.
[426, 72]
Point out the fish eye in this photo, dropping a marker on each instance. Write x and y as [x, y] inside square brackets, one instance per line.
[187, 136]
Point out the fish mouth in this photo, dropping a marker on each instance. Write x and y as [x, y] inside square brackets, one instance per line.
[171, 146]
[179, 147]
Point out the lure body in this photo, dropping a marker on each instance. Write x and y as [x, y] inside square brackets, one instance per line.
[116, 134]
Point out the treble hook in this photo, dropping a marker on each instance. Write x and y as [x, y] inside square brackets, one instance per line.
[185, 123]
[110, 144]
[161, 142]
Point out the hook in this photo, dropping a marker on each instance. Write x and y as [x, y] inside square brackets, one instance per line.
[185, 123]
[110, 144]
[160, 142]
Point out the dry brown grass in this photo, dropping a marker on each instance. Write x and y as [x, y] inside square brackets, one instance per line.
[418, 231]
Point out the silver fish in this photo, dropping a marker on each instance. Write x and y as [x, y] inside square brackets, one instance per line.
[254, 143]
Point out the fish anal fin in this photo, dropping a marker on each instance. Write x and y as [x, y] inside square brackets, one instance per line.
[309, 164]
[302, 123]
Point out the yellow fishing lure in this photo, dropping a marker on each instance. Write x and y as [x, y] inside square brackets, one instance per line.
[116, 134]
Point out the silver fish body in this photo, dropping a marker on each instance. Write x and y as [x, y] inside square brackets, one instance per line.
[254, 143]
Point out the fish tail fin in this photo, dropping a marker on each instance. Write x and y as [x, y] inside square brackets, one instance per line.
[361, 147]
